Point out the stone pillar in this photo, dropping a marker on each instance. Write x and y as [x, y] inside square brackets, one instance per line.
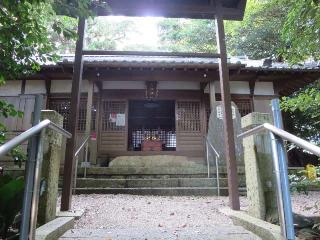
[260, 177]
[52, 155]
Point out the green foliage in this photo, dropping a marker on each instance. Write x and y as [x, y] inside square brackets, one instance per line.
[7, 110]
[301, 31]
[259, 34]
[186, 35]
[24, 42]
[302, 112]
[11, 197]
[300, 183]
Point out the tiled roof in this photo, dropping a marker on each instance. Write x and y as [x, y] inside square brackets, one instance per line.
[187, 62]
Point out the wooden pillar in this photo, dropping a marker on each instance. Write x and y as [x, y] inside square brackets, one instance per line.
[212, 90]
[75, 102]
[89, 107]
[252, 83]
[89, 120]
[227, 113]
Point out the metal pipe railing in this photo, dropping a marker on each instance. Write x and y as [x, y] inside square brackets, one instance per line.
[84, 146]
[8, 146]
[279, 161]
[284, 135]
[217, 155]
[33, 170]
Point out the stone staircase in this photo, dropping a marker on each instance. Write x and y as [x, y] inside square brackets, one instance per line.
[155, 181]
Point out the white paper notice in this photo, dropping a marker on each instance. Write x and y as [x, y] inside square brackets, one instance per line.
[121, 119]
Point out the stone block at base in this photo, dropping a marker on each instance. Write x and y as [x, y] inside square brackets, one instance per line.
[54, 229]
[77, 214]
[257, 226]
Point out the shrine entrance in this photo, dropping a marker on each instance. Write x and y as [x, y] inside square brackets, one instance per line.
[151, 125]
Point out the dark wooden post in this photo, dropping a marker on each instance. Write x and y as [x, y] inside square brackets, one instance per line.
[227, 120]
[75, 102]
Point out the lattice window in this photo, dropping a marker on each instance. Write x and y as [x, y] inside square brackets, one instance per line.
[63, 106]
[244, 106]
[110, 111]
[188, 116]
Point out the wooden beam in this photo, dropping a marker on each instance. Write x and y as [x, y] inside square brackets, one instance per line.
[148, 54]
[227, 113]
[75, 102]
[172, 9]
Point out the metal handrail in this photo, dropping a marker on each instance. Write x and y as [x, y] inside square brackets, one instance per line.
[84, 145]
[217, 163]
[280, 168]
[33, 168]
[284, 135]
[5, 148]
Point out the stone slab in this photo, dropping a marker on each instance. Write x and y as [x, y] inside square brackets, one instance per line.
[54, 229]
[154, 171]
[254, 119]
[259, 227]
[77, 214]
[223, 232]
[181, 191]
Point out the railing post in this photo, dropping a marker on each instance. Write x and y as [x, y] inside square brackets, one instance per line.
[36, 187]
[275, 158]
[207, 156]
[283, 168]
[30, 173]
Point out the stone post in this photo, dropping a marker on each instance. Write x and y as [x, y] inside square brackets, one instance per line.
[52, 155]
[260, 177]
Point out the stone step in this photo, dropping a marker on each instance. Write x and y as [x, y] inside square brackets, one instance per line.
[152, 183]
[156, 172]
[218, 232]
[178, 191]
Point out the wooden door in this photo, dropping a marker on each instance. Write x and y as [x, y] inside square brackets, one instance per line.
[113, 133]
[189, 127]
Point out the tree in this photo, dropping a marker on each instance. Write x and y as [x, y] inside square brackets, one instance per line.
[24, 42]
[302, 112]
[186, 35]
[259, 34]
[301, 30]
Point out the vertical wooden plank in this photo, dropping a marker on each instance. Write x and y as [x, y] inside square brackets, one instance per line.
[227, 113]
[127, 125]
[89, 108]
[75, 102]
[212, 90]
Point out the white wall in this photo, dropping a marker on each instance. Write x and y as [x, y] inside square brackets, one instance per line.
[264, 88]
[236, 87]
[162, 85]
[11, 88]
[178, 85]
[64, 86]
[35, 87]
[123, 85]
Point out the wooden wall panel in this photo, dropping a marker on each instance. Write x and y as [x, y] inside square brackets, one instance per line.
[189, 127]
[112, 137]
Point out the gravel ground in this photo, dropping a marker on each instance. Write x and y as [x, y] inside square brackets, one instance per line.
[108, 211]
[124, 217]
[307, 205]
